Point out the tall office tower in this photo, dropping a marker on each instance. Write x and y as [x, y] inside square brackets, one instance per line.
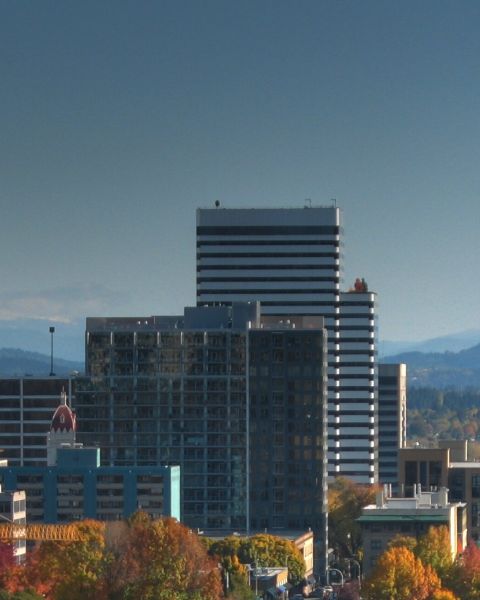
[237, 401]
[392, 419]
[290, 260]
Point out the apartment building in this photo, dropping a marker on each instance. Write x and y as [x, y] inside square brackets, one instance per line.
[237, 400]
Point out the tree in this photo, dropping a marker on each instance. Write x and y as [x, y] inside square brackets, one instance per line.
[67, 570]
[407, 541]
[161, 560]
[239, 589]
[464, 577]
[25, 595]
[444, 595]
[262, 549]
[434, 549]
[345, 502]
[400, 575]
[136, 560]
[7, 563]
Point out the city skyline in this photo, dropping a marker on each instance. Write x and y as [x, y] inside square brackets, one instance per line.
[119, 121]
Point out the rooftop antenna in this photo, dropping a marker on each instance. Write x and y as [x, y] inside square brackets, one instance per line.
[52, 331]
[334, 202]
[217, 203]
[308, 203]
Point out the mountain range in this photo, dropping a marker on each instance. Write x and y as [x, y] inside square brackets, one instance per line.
[18, 363]
[454, 342]
[441, 369]
[441, 362]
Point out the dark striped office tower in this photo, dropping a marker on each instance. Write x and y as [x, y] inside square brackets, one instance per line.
[291, 261]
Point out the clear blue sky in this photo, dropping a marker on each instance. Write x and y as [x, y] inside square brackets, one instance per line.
[118, 119]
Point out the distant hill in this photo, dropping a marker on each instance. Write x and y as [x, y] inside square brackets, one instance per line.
[16, 363]
[441, 369]
[447, 343]
[33, 335]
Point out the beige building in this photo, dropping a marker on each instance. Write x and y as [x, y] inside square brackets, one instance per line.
[413, 517]
[454, 464]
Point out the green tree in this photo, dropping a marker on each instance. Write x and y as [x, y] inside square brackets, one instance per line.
[434, 549]
[345, 502]
[239, 589]
[261, 549]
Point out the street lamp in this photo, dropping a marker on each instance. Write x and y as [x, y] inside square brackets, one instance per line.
[330, 569]
[359, 571]
[52, 331]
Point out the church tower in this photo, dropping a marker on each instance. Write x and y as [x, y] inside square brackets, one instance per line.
[62, 430]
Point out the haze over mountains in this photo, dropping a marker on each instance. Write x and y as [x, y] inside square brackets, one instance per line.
[447, 343]
[441, 362]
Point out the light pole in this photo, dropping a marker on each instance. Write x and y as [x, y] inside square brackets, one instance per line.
[52, 331]
[359, 571]
[330, 569]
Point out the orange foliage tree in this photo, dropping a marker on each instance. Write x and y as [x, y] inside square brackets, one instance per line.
[139, 559]
[66, 570]
[160, 560]
[399, 574]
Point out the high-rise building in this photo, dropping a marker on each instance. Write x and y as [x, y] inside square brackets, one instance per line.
[238, 401]
[392, 419]
[291, 261]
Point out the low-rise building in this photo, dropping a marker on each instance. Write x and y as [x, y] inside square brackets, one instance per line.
[413, 517]
[13, 510]
[74, 486]
[77, 487]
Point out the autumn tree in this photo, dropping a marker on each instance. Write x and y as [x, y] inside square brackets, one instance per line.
[407, 541]
[7, 563]
[444, 595]
[345, 502]
[434, 549]
[67, 570]
[400, 575]
[465, 574]
[161, 560]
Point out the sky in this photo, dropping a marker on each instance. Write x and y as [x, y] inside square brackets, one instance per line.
[118, 119]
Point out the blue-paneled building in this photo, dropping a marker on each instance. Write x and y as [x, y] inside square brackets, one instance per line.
[77, 487]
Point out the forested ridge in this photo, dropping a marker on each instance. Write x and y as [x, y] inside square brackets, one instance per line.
[443, 414]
